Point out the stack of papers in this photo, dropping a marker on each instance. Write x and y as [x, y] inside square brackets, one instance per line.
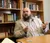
[7, 40]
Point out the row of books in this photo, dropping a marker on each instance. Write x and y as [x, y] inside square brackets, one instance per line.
[1, 18]
[8, 4]
[31, 6]
[8, 17]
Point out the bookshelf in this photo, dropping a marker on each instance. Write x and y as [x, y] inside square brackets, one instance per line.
[11, 10]
[36, 7]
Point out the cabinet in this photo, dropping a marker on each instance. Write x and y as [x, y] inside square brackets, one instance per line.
[11, 10]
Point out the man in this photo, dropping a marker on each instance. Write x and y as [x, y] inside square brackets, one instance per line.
[29, 25]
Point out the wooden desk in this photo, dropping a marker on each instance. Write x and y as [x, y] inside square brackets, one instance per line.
[36, 39]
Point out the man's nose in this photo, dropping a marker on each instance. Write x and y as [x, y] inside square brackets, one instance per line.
[26, 12]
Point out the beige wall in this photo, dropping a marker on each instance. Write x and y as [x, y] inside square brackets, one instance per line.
[47, 12]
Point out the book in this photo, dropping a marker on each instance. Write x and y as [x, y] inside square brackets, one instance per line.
[9, 4]
[5, 17]
[6, 4]
[2, 35]
[2, 3]
[37, 7]
[14, 16]
[1, 17]
[14, 4]
[10, 17]
[7, 40]
[31, 6]
[23, 5]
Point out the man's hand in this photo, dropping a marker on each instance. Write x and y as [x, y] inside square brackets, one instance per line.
[25, 29]
[44, 25]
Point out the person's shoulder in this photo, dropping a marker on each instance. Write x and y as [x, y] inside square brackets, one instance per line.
[37, 17]
[18, 21]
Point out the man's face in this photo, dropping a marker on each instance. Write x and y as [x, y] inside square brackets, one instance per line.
[26, 14]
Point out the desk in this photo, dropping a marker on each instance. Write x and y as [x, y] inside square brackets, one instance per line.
[35, 39]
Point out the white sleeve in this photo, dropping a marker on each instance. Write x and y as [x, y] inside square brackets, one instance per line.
[47, 26]
[39, 21]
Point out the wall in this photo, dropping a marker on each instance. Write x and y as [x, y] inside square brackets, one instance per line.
[47, 11]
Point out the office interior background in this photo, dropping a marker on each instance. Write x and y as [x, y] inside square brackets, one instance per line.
[46, 10]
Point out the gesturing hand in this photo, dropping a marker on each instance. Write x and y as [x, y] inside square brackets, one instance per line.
[25, 29]
[44, 25]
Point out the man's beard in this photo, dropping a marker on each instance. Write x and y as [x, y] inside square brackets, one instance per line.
[26, 18]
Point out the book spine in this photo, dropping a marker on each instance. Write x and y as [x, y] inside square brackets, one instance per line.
[2, 3]
[10, 17]
[37, 7]
[14, 4]
[14, 16]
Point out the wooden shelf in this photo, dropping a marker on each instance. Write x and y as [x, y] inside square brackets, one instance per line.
[9, 9]
[7, 37]
[39, 1]
[37, 11]
[7, 23]
[31, 0]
